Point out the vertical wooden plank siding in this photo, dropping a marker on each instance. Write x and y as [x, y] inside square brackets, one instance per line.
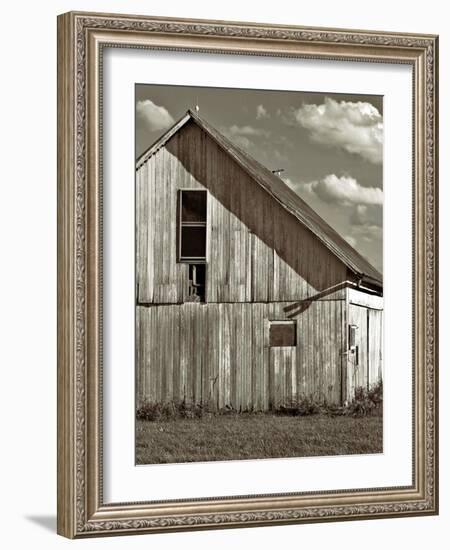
[282, 367]
[345, 352]
[358, 358]
[219, 354]
[375, 320]
[369, 339]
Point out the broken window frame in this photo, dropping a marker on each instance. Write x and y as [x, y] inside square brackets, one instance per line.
[197, 290]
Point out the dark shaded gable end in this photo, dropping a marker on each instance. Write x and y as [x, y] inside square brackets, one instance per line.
[364, 272]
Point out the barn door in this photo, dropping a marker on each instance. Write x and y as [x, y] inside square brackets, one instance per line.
[282, 376]
[358, 366]
[282, 371]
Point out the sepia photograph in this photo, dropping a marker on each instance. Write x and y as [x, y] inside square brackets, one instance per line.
[258, 274]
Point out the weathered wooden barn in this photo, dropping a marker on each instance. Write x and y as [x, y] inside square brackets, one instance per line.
[245, 297]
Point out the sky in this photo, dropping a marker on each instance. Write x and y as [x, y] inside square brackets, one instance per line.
[330, 146]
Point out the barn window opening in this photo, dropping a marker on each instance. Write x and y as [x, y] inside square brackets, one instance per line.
[197, 280]
[282, 334]
[192, 226]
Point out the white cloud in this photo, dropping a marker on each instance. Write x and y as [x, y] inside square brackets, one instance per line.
[369, 231]
[241, 135]
[364, 233]
[345, 190]
[356, 127]
[359, 215]
[366, 219]
[155, 117]
[360, 225]
[261, 112]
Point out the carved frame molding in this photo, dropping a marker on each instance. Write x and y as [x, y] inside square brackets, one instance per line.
[81, 39]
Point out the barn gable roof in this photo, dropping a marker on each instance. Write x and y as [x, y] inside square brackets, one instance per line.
[282, 193]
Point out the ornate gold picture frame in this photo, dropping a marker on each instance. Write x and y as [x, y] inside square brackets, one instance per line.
[82, 39]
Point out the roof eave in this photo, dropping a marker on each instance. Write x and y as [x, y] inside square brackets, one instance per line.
[372, 281]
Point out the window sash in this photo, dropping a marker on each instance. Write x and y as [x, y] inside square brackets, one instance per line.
[196, 211]
[182, 224]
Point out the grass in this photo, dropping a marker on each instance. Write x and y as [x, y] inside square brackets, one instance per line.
[251, 436]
